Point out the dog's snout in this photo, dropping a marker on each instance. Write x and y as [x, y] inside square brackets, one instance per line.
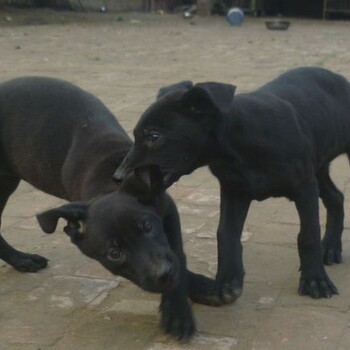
[119, 175]
[165, 274]
[122, 172]
[124, 168]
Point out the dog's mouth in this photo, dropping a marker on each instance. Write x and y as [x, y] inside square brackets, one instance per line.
[169, 178]
[165, 284]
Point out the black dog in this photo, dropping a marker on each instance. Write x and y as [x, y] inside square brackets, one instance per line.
[275, 141]
[65, 142]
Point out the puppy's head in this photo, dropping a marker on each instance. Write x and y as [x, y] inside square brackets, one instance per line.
[123, 231]
[176, 131]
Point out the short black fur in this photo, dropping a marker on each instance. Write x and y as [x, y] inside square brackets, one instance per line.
[65, 142]
[275, 141]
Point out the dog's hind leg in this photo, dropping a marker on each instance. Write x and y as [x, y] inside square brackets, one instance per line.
[333, 201]
[21, 261]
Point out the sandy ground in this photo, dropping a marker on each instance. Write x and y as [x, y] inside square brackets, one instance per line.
[124, 59]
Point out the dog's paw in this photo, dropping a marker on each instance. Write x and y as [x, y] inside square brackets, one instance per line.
[230, 292]
[332, 253]
[28, 262]
[177, 320]
[317, 286]
[227, 293]
[203, 290]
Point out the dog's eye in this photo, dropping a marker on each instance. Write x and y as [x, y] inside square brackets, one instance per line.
[115, 254]
[152, 137]
[147, 227]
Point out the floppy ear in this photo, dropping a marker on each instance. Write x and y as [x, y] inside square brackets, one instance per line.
[182, 85]
[209, 97]
[74, 213]
[146, 184]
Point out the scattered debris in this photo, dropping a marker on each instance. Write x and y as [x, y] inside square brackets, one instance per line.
[189, 11]
[266, 300]
[246, 235]
[187, 14]
[135, 21]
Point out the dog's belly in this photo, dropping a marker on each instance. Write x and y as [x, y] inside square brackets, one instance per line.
[279, 180]
[44, 179]
[33, 166]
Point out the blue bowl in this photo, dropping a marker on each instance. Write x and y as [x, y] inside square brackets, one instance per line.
[235, 16]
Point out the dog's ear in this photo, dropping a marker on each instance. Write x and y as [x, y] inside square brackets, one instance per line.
[146, 184]
[182, 85]
[74, 213]
[209, 98]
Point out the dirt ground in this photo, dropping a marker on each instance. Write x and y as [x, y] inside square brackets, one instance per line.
[124, 59]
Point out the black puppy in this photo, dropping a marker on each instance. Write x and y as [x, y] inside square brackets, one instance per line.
[275, 141]
[65, 142]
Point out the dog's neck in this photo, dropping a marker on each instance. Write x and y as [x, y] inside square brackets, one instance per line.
[91, 176]
[212, 148]
[98, 179]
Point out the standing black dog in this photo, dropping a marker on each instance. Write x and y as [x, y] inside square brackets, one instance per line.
[275, 141]
[65, 142]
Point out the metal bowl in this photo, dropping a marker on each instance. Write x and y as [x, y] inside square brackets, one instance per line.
[277, 25]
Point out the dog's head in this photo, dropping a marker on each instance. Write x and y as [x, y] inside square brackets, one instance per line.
[123, 231]
[175, 132]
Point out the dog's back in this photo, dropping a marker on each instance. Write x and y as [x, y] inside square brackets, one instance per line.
[44, 120]
[317, 94]
[313, 99]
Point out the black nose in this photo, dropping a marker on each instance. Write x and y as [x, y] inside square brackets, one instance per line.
[119, 175]
[165, 274]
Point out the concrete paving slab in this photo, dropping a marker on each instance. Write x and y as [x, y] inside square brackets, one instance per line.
[75, 303]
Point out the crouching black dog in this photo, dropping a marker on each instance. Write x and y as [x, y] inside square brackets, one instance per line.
[275, 141]
[65, 142]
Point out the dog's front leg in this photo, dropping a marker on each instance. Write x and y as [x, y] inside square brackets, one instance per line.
[176, 313]
[313, 279]
[230, 274]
